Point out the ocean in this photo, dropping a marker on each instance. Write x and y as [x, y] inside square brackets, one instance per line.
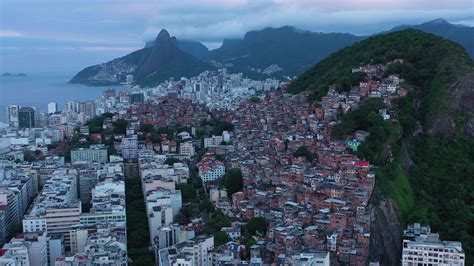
[39, 89]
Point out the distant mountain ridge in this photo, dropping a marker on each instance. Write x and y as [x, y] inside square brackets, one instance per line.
[464, 35]
[150, 65]
[292, 49]
[271, 52]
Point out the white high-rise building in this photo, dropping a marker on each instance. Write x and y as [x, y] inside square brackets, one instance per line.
[56, 208]
[421, 247]
[73, 106]
[130, 147]
[187, 148]
[52, 107]
[28, 249]
[12, 115]
[95, 153]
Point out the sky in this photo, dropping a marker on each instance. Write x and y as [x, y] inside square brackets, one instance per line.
[68, 35]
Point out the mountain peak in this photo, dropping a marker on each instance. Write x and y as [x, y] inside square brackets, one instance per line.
[163, 35]
[438, 21]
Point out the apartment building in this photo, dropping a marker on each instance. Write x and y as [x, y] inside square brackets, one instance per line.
[95, 153]
[57, 207]
[17, 188]
[422, 247]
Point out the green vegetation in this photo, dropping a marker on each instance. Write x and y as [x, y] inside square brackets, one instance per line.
[95, 124]
[138, 240]
[352, 79]
[423, 51]
[219, 157]
[380, 148]
[437, 188]
[406, 113]
[304, 152]
[147, 128]
[362, 118]
[233, 181]
[382, 133]
[254, 99]
[443, 179]
[188, 192]
[255, 226]
[171, 161]
[120, 126]
[152, 130]
[393, 182]
[219, 126]
[216, 221]
[31, 156]
[248, 243]
[220, 238]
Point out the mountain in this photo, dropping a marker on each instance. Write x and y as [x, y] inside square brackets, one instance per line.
[461, 34]
[431, 58]
[276, 52]
[424, 157]
[292, 49]
[150, 65]
[193, 48]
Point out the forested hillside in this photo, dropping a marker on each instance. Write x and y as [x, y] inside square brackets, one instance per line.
[430, 173]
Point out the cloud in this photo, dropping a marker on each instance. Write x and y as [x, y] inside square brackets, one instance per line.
[10, 33]
[466, 22]
[212, 23]
[107, 49]
[130, 23]
[114, 27]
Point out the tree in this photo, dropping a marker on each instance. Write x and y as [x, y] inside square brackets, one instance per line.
[95, 124]
[31, 156]
[147, 128]
[206, 206]
[171, 161]
[217, 221]
[304, 152]
[220, 238]
[254, 99]
[256, 225]
[120, 126]
[188, 192]
[248, 243]
[233, 181]
[218, 126]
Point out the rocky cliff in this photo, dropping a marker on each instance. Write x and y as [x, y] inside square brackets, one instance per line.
[385, 234]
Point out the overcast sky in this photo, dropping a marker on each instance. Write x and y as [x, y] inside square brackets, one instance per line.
[67, 35]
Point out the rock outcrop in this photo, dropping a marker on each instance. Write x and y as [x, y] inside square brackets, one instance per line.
[385, 234]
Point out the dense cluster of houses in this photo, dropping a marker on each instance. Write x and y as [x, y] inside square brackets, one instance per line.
[317, 202]
[166, 112]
